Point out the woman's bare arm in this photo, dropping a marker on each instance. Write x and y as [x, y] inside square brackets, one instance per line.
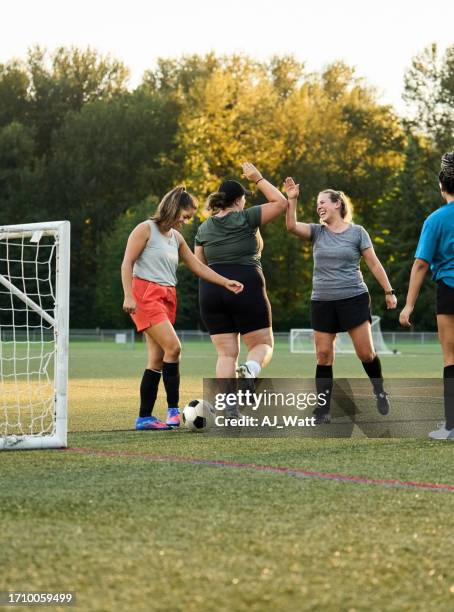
[293, 226]
[134, 247]
[276, 204]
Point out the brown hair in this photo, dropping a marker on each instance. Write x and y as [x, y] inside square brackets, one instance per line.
[346, 209]
[171, 205]
[446, 176]
[217, 201]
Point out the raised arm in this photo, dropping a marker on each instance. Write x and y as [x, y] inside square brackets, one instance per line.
[199, 268]
[276, 204]
[134, 247]
[374, 265]
[293, 226]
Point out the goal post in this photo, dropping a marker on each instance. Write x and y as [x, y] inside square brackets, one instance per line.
[34, 332]
[302, 340]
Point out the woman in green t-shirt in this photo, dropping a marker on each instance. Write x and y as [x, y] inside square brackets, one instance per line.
[230, 242]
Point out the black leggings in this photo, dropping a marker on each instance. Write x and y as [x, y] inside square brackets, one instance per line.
[225, 312]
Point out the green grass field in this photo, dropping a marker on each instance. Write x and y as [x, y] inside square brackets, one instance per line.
[125, 519]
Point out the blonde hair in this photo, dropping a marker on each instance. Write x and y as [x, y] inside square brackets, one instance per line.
[171, 205]
[346, 209]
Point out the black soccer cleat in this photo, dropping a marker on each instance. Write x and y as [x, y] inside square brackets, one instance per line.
[383, 404]
[321, 416]
[232, 412]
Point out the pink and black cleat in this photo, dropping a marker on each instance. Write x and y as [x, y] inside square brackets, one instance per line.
[173, 417]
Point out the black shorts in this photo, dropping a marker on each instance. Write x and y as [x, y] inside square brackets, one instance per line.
[224, 312]
[445, 298]
[340, 315]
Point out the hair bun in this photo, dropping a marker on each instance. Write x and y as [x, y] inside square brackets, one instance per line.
[447, 164]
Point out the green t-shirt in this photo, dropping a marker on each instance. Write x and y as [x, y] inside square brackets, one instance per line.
[232, 239]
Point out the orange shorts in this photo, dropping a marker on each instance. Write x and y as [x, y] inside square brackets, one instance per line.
[155, 303]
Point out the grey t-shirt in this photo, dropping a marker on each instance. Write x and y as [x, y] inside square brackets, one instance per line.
[337, 274]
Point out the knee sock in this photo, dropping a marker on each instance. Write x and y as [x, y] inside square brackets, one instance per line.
[171, 378]
[373, 370]
[148, 391]
[324, 385]
[448, 387]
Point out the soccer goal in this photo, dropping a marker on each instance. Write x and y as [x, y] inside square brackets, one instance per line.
[34, 316]
[302, 340]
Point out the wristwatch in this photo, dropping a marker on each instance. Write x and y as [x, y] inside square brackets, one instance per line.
[390, 292]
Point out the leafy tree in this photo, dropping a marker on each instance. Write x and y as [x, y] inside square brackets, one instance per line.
[14, 102]
[20, 175]
[429, 92]
[229, 117]
[176, 77]
[64, 82]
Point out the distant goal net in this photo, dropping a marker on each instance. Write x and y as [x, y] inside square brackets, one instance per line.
[34, 316]
[302, 340]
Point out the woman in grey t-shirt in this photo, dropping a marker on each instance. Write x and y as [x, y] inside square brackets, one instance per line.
[340, 299]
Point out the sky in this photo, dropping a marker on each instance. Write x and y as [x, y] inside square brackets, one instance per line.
[377, 38]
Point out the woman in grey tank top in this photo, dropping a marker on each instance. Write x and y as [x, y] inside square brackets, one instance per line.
[148, 274]
[340, 299]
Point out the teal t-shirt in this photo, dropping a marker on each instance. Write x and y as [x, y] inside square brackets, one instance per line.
[436, 243]
[234, 238]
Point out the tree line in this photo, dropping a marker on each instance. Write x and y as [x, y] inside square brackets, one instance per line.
[77, 143]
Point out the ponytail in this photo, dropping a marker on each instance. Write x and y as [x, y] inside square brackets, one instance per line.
[217, 201]
[171, 205]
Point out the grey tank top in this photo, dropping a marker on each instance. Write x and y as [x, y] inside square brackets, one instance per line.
[158, 261]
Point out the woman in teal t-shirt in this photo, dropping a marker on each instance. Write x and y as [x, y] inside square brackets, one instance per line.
[436, 250]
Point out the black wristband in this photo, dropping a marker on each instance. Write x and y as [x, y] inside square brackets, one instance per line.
[260, 179]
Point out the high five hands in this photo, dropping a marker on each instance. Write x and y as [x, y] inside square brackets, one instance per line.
[291, 188]
[250, 172]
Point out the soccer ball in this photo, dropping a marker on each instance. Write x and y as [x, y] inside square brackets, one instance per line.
[198, 415]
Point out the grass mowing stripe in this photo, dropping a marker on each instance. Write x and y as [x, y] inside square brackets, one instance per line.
[425, 486]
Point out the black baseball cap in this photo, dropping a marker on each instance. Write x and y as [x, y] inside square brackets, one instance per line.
[233, 190]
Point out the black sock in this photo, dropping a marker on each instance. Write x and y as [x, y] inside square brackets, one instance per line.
[448, 387]
[324, 386]
[148, 391]
[373, 370]
[171, 378]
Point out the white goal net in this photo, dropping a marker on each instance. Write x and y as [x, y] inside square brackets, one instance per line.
[302, 340]
[34, 313]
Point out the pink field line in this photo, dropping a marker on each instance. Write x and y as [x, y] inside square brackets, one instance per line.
[289, 471]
